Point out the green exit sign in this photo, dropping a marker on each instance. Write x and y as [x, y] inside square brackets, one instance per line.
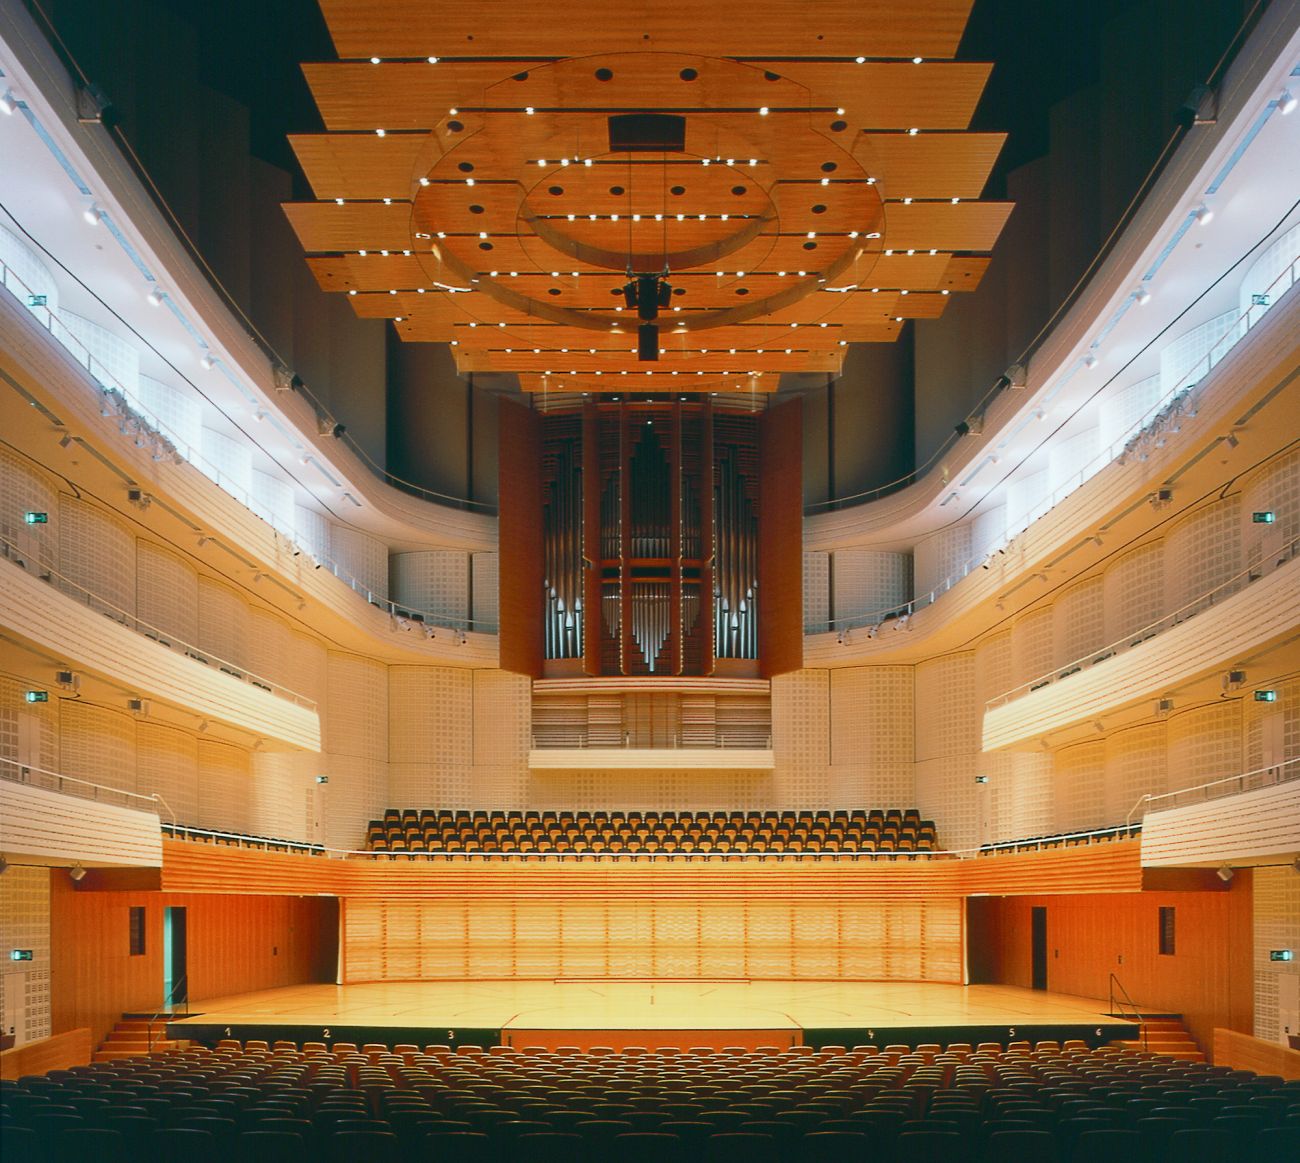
[1279, 954]
[20, 954]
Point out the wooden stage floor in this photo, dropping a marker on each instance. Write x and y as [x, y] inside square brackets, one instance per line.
[510, 1010]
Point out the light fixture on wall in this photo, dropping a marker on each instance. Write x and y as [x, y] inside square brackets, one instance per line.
[9, 103]
[156, 297]
[1286, 102]
[76, 874]
[1225, 874]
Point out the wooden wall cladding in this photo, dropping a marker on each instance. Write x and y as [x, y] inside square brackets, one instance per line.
[780, 539]
[57, 1052]
[520, 539]
[236, 944]
[1243, 1052]
[637, 937]
[1208, 979]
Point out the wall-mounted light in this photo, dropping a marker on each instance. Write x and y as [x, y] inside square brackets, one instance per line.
[155, 297]
[1286, 102]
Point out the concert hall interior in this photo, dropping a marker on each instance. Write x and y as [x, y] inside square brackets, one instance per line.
[648, 549]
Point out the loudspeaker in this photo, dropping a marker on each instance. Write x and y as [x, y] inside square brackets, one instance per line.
[647, 336]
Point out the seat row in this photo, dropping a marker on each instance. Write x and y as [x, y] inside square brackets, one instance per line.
[961, 1105]
[651, 832]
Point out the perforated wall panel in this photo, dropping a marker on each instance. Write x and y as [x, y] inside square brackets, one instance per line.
[1205, 743]
[355, 724]
[1271, 274]
[1276, 900]
[28, 731]
[988, 530]
[311, 531]
[872, 745]
[97, 556]
[24, 490]
[483, 579]
[223, 626]
[1183, 363]
[273, 500]
[25, 924]
[176, 412]
[228, 462]
[800, 737]
[167, 596]
[430, 735]
[941, 556]
[1032, 645]
[1074, 459]
[1028, 498]
[432, 581]
[1134, 592]
[225, 787]
[993, 670]
[269, 648]
[30, 270]
[1202, 552]
[947, 743]
[1136, 766]
[1079, 629]
[867, 582]
[168, 765]
[1276, 490]
[96, 744]
[1080, 780]
[281, 785]
[305, 667]
[1021, 800]
[1124, 408]
[115, 363]
[362, 558]
[816, 592]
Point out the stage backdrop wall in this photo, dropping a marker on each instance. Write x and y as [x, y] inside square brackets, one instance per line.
[747, 935]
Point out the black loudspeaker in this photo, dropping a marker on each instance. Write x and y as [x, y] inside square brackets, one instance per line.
[647, 336]
[647, 133]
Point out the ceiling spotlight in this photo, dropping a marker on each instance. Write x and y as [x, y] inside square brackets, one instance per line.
[156, 297]
[1203, 214]
[1143, 296]
[8, 103]
[208, 362]
[1089, 360]
[92, 214]
[763, 112]
[433, 60]
[1286, 102]
[917, 60]
[374, 60]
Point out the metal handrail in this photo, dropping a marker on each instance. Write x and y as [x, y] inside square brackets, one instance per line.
[1137, 1013]
[1283, 772]
[15, 772]
[142, 425]
[1179, 401]
[580, 740]
[186, 833]
[1232, 585]
[168, 1001]
[9, 550]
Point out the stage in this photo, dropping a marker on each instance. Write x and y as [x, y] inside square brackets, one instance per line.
[620, 1013]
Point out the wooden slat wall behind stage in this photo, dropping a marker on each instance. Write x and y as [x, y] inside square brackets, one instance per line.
[745, 937]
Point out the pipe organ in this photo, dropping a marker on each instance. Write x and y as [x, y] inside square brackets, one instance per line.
[650, 538]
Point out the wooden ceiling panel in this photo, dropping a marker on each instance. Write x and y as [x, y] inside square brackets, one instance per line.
[358, 165]
[965, 226]
[964, 272]
[356, 95]
[781, 28]
[930, 165]
[897, 94]
[502, 184]
[325, 227]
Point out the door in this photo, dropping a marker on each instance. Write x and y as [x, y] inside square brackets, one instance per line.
[1038, 946]
[175, 978]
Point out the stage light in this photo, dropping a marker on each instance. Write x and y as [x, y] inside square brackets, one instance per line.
[1203, 215]
[9, 103]
[76, 874]
[1225, 874]
[156, 297]
[92, 214]
[1286, 102]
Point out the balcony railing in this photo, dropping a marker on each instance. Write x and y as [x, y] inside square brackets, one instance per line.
[164, 638]
[147, 431]
[26, 773]
[1150, 430]
[1269, 562]
[1228, 785]
[571, 739]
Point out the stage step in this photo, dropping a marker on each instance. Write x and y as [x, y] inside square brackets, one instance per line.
[129, 1038]
[1164, 1035]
